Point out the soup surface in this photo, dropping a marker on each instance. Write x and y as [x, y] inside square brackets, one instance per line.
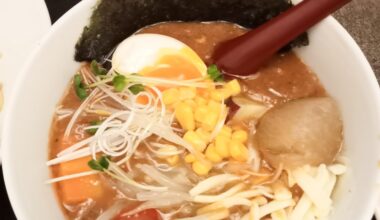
[282, 80]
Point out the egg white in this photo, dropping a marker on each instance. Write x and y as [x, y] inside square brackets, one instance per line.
[142, 50]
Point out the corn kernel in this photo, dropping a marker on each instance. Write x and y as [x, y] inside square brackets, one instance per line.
[173, 160]
[185, 116]
[191, 103]
[220, 94]
[238, 151]
[212, 155]
[196, 141]
[170, 96]
[201, 168]
[189, 158]
[233, 87]
[221, 146]
[200, 101]
[225, 131]
[240, 135]
[204, 93]
[203, 134]
[214, 106]
[200, 113]
[209, 120]
[187, 93]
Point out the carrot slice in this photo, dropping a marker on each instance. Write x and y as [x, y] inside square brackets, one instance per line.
[79, 189]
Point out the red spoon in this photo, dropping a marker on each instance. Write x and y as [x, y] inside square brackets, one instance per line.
[245, 54]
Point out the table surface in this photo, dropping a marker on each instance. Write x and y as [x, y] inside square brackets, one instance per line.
[361, 18]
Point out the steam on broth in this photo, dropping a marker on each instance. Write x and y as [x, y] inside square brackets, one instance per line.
[170, 138]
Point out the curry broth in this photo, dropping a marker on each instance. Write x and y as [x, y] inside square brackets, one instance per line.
[58, 143]
[283, 78]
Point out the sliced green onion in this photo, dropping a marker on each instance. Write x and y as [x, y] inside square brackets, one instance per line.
[104, 162]
[93, 164]
[97, 69]
[92, 131]
[77, 80]
[214, 73]
[136, 89]
[119, 83]
[101, 164]
[79, 87]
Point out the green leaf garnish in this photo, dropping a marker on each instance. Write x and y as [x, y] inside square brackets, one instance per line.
[100, 164]
[136, 89]
[119, 83]
[79, 87]
[214, 73]
[104, 162]
[92, 131]
[77, 80]
[81, 93]
[93, 164]
[97, 69]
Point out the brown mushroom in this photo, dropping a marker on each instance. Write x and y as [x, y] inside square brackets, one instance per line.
[300, 132]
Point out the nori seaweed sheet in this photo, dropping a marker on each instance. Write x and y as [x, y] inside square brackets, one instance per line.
[114, 20]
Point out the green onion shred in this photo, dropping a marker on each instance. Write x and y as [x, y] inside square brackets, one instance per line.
[100, 164]
[79, 87]
[214, 73]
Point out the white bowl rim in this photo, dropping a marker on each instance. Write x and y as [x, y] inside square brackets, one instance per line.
[14, 196]
[44, 24]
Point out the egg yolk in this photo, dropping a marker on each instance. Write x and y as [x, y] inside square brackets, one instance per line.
[183, 65]
[173, 67]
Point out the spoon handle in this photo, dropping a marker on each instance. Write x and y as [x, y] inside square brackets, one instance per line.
[245, 54]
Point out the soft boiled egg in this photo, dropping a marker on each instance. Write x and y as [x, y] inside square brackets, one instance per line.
[157, 55]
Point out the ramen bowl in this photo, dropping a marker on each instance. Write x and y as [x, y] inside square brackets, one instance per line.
[332, 55]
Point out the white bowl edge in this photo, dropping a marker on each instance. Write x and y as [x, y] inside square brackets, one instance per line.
[334, 87]
[17, 197]
[19, 40]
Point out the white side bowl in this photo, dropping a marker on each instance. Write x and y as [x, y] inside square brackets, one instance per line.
[22, 34]
[332, 54]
